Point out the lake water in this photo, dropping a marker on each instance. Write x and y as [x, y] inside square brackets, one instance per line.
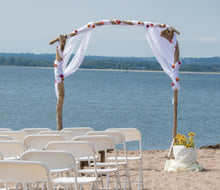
[104, 99]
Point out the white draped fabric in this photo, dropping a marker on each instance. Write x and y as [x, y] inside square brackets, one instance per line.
[185, 160]
[62, 68]
[164, 52]
[162, 48]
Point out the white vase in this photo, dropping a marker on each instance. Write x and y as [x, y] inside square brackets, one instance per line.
[183, 154]
[185, 160]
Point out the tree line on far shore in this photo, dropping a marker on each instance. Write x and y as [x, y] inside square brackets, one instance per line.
[122, 63]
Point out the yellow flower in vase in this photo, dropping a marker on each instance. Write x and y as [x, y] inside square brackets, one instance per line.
[183, 140]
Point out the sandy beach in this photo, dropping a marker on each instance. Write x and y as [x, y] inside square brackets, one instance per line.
[157, 179]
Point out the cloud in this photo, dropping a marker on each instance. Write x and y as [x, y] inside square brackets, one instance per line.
[207, 39]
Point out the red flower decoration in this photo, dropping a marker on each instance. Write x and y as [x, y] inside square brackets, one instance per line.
[151, 24]
[61, 76]
[179, 62]
[177, 79]
[88, 25]
[172, 84]
[76, 31]
[62, 79]
[139, 22]
[55, 81]
[173, 66]
[147, 26]
[164, 25]
[55, 65]
[93, 26]
[171, 41]
[118, 21]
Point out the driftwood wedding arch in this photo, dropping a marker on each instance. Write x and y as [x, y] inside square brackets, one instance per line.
[162, 39]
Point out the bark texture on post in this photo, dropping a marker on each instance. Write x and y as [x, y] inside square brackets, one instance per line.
[175, 94]
[175, 104]
[59, 110]
[61, 91]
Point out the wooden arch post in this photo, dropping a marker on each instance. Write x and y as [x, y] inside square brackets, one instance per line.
[175, 105]
[175, 95]
[61, 91]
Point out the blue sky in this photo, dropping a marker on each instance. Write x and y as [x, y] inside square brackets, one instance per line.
[28, 25]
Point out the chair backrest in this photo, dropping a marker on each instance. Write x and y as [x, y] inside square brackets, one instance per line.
[5, 137]
[99, 142]
[130, 134]
[117, 136]
[24, 172]
[33, 131]
[54, 160]
[67, 135]
[11, 149]
[5, 129]
[16, 135]
[39, 142]
[79, 130]
[77, 149]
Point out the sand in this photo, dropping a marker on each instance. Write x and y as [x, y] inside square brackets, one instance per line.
[157, 179]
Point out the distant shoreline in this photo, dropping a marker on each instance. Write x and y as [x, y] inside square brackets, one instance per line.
[122, 70]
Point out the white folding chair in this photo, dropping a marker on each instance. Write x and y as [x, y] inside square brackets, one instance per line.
[34, 131]
[78, 150]
[58, 162]
[119, 139]
[79, 130]
[15, 135]
[11, 149]
[5, 137]
[5, 129]
[133, 135]
[24, 172]
[39, 142]
[102, 143]
[67, 135]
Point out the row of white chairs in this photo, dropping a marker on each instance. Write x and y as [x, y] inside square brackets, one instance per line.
[130, 134]
[66, 132]
[97, 142]
[36, 169]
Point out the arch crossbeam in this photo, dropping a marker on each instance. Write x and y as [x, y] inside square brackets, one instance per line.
[92, 25]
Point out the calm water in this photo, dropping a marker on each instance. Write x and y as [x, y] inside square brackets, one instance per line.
[104, 99]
